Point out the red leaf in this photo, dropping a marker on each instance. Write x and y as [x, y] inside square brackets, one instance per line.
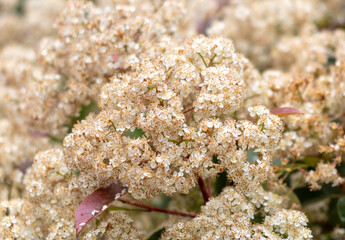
[96, 203]
[285, 111]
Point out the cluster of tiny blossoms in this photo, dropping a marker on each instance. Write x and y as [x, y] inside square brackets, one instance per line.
[169, 115]
[230, 215]
[257, 27]
[324, 173]
[17, 148]
[314, 85]
[181, 102]
[47, 211]
[26, 22]
[179, 137]
[93, 43]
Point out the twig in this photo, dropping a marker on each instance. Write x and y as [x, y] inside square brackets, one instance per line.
[300, 96]
[188, 109]
[205, 193]
[207, 21]
[37, 134]
[337, 116]
[209, 187]
[211, 61]
[155, 209]
[190, 116]
[304, 171]
[203, 60]
[333, 26]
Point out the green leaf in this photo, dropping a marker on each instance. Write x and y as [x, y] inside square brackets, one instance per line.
[221, 182]
[332, 214]
[156, 235]
[341, 169]
[136, 134]
[20, 8]
[341, 208]
[252, 156]
[164, 203]
[311, 161]
[221, 179]
[55, 140]
[328, 189]
[277, 162]
[258, 218]
[84, 111]
[308, 197]
[331, 60]
[293, 199]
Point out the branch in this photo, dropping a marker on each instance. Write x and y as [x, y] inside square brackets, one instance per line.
[190, 114]
[209, 187]
[149, 208]
[188, 109]
[211, 15]
[203, 60]
[337, 116]
[206, 195]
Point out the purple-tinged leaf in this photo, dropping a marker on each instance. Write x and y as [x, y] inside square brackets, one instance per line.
[96, 203]
[284, 111]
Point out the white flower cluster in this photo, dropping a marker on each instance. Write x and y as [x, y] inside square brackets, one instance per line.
[181, 133]
[174, 110]
[116, 225]
[93, 43]
[53, 193]
[231, 216]
[17, 149]
[324, 173]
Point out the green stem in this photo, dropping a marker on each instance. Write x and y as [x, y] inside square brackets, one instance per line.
[202, 58]
[211, 61]
[300, 95]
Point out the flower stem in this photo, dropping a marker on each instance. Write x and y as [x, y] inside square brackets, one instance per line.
[149, 208]
[209, 187]
[203, 60]
[300, 96]
[191, 110]
[188, 109]
[205, 194]
[211, 61]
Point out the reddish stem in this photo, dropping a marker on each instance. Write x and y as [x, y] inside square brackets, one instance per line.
[206, 22]
[190, 115]
[336, 117]
[209, 187]
[149, 208]
[37, 134]
[188, 109]
[206, 195]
